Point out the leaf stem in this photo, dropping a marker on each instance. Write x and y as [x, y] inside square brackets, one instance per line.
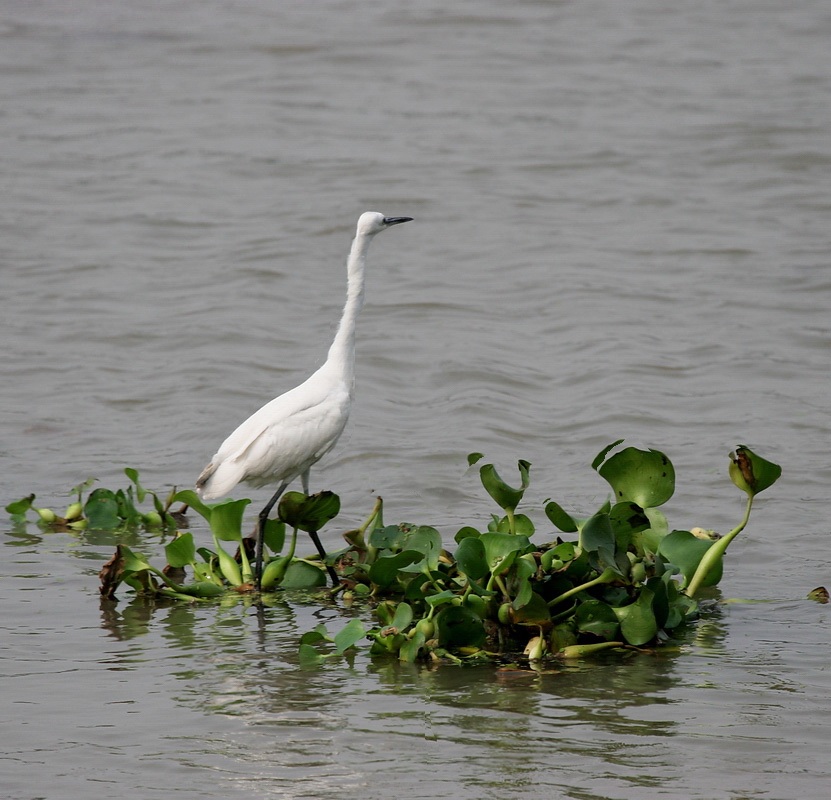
[607, 576]
[716, 551]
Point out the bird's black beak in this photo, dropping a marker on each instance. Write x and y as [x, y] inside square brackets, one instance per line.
[396, 220]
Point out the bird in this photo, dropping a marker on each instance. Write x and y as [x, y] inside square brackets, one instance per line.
[288, 435]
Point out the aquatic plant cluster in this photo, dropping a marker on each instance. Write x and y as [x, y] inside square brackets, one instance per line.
[618, 578]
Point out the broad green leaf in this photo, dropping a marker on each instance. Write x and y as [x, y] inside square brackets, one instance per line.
[522, 525]
[389, 537]
[751, 473]
[562, 519]
[226, 519]
[194, 501]
[301, 575]
[403, 616]
[465, 533]
[627, 519]
[501, 549]
[308, 513]
[534, 612]
[132, 562]
[350, 635]
[472, 458]
[598, 619]
[458, 626]
[685, 551]
[645, 477]
[471, 558]
[427, 541]
[505, 496]
[440, 598]
[181, 551]
[596, 534]
[408, 652]
[598, 459]
[637, 620]
[101, 509]
[318, 634]
[309, 657]
[19, 507]
[274, 535]
[384, 572]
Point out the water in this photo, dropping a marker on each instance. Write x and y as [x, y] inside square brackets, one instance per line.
[621, 231]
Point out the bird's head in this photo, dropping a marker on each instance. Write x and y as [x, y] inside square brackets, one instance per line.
[372, 222]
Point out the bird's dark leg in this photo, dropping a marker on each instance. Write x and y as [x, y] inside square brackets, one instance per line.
[258, 567]
[331, 570]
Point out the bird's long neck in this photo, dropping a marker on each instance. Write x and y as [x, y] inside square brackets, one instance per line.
[342, 351]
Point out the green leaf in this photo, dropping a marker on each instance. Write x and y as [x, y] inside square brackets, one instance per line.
[133, 475]
[308, 513]
[464, 533]
[627, 519]
[685, 551]
[598, 619]
[301, 575]
[458, 626]
[403, 616]
[471, 558]
[194, 501]
[521, 525]
[133, 562]
[473, 458]
[349, 636]
[533, 612]
[598, 459]
[637, 620]
[408, 652]
[751, 473]
[19, 507]
[226, 519]
[181, 551]
[427, 541]
[274, 535]
[389, 537]
[596, 534]
[101, 509]
[645, 477]
[562, 519]
[506, 497]
[309, 657]
[501, 549]
[384, 572]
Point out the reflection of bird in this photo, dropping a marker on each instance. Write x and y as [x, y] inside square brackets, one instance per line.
[286, 436]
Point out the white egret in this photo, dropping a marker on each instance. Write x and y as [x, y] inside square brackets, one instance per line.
[287, 436]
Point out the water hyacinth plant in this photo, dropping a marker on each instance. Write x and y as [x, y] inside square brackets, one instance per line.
[617, 578]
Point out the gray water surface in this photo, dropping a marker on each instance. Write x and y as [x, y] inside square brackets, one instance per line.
[621, 231]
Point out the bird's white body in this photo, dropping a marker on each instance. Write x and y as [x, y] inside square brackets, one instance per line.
[287, 436]
[284, 438]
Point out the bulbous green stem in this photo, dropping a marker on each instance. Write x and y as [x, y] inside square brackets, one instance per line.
[607, 576]
[509, 513]
[716, 551]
